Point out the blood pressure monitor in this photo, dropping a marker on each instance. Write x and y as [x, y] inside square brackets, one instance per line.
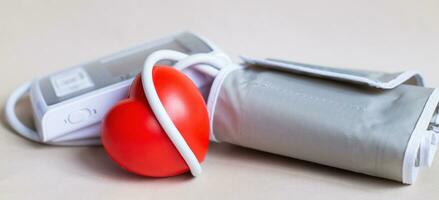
[68, 105]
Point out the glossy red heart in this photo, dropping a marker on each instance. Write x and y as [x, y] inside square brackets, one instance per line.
[133, 137]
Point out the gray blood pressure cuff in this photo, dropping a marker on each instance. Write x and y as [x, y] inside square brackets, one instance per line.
[373, 123]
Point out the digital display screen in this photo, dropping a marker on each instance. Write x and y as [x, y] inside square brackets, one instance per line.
[129, 66]
[122, 66]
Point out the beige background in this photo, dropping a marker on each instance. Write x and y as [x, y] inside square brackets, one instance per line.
[39, 37]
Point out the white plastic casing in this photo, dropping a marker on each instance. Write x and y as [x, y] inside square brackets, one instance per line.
[79, 117]
[59, 119]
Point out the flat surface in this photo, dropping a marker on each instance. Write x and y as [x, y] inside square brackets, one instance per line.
[39, 37]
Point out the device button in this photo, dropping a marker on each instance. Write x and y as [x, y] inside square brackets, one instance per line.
[79, 116]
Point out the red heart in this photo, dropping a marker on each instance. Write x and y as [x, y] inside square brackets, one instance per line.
[133, 137]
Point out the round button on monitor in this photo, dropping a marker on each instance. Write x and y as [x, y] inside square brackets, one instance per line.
[79, 116]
